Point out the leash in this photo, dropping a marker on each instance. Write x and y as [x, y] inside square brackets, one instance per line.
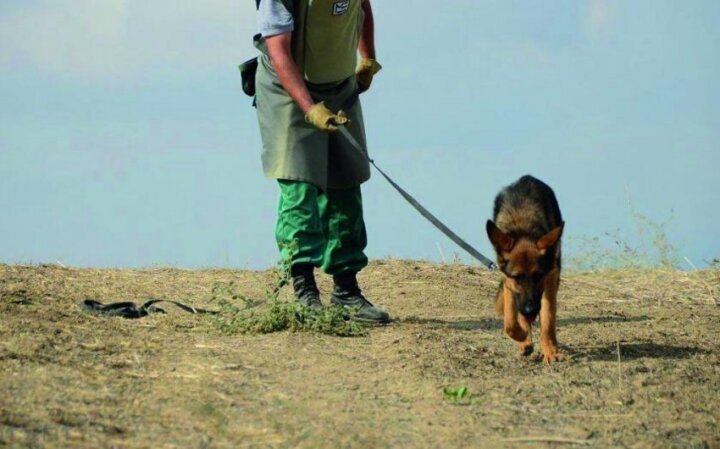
[420, 208]
[130, 310]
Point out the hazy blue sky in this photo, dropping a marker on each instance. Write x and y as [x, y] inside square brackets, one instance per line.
[125, 139]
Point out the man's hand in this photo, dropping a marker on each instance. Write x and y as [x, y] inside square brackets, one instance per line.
[324, 119]
[365, 71]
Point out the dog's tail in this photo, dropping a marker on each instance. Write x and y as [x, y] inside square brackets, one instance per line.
[499, 302]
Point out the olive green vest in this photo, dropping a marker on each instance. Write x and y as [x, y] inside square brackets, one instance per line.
[325, 38]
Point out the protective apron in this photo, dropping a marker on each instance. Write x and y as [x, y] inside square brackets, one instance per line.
[325, 39]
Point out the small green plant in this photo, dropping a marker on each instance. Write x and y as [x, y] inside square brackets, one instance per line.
[295, 317]
[458, 396]
[224, 293]
[238, 318]
[241, 315]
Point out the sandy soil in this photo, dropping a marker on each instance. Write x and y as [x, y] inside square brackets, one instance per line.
[643, 366]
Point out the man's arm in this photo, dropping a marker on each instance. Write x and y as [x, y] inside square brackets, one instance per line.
[278, 47]
[368, 66]
[367, 36]
[292, 81]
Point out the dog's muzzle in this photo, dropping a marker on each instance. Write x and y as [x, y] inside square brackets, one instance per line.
[531, 308]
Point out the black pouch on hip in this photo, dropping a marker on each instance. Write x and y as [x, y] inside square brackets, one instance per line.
[247, 74]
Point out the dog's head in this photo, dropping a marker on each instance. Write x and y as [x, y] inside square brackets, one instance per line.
[525, 263]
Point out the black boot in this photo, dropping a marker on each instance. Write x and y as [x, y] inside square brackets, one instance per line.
[303, 281]
[347, 294]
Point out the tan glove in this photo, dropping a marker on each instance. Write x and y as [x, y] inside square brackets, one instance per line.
[365, 72]
[323, 118]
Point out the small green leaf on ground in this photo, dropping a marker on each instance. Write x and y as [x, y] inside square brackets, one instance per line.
[455, 393]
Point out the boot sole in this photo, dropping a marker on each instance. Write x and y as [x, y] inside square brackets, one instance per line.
[372, 322]
[359, 319]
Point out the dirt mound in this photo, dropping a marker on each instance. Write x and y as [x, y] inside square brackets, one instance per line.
[643, 366]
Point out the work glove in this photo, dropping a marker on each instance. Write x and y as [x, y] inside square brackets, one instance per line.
[365, 72]
[324, 119]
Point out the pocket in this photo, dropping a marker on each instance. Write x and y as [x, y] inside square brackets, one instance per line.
[247, 75]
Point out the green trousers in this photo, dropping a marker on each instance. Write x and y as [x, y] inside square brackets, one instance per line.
[323, 228]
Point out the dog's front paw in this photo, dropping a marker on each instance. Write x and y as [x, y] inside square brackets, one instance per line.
[526, 348]
[551, 355]
[517, 333]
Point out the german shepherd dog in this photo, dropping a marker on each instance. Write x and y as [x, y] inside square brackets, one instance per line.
[525, 232]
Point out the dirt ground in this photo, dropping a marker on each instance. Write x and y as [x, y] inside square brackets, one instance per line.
[643, 365]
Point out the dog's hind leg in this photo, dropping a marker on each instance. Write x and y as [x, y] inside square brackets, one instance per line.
[548, 309]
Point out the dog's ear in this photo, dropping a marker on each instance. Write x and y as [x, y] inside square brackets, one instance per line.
[499, 239]
[550, 238]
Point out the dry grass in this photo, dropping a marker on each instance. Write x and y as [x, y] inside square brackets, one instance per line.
[643, 367]
[643, 285]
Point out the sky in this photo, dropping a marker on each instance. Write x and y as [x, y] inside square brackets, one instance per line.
[126, 141]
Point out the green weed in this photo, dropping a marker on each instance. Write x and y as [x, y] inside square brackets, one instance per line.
[242, 315]
[458, 396]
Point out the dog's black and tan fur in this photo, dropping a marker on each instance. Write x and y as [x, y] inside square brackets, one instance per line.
[525, 231]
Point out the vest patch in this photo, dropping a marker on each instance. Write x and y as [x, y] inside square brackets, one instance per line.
[340, 7]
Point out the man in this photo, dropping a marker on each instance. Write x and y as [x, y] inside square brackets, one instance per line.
[307, 85]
